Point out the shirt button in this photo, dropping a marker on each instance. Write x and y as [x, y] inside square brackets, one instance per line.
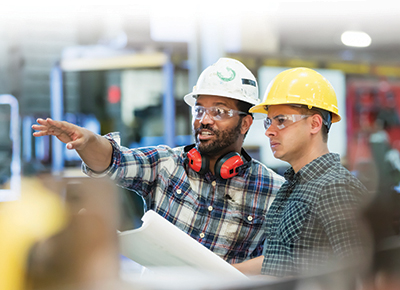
[202, 235]
[214, 183]
[210, 208]
[249, 218]
[178, 191]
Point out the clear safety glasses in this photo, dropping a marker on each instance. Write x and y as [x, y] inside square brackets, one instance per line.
[216, 113]
[283, 121]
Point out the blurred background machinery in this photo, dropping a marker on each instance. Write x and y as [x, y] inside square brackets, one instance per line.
[125, 66]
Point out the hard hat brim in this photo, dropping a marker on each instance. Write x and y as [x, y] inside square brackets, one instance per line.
[261, 108]
[190, 99]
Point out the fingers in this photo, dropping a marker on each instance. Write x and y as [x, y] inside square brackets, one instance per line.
[51, 122]
[42, 125]
[40, 133]
[67, 133]
[43, 121]
[45, 127]
[41, 130]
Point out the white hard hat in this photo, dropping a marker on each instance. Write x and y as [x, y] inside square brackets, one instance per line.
[226, 78]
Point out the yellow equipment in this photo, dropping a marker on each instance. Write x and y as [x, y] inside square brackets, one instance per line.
[37, 215]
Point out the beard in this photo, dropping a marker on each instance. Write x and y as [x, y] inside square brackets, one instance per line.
[223, 139]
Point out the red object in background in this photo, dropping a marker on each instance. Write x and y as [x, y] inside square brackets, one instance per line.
[366, 100]
[114, 94]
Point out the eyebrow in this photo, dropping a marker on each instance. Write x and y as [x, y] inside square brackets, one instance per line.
[214, 105]
[274, 117]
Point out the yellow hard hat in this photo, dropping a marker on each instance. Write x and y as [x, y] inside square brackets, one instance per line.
[301, 86]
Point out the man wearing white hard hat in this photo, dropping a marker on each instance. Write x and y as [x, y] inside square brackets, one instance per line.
[212, 190]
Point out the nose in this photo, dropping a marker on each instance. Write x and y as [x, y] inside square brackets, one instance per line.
[270, 132]
[206, 119]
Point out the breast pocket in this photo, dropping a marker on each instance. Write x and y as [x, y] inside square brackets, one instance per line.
[174, 196]
[183, 196]
[292, 222]
[242, 226]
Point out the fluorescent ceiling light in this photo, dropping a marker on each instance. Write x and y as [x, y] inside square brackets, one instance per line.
[356, 39]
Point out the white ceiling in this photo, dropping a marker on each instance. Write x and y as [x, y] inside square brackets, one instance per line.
[318, 28]
[294, 28]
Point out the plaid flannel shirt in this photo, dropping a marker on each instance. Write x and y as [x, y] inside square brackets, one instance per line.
[314, 219]
[226, 216]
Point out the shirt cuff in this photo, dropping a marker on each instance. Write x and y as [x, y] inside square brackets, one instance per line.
[114, 139]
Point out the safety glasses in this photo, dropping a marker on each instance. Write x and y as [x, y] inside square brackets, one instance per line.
[283, 121]
[216, 113]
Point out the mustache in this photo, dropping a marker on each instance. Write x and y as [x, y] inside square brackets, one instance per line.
[208, 127]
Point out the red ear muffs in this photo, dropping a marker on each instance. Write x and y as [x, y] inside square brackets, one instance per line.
[197, 162]
[228, 166]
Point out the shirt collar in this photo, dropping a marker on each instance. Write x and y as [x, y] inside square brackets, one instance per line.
[313, 169]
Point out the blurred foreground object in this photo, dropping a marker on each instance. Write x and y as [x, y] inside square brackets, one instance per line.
[384, 273]
[84, 255]
[37, 215]
[63, 238]
[387, 264]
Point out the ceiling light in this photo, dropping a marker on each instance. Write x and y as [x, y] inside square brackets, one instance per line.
[356, 39]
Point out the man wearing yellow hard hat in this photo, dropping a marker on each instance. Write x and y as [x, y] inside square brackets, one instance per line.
[315, 217]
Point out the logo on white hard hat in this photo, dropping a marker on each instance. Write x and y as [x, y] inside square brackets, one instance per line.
[227, 78]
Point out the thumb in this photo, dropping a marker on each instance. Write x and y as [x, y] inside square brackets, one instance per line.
[74, 144]
[70, 146]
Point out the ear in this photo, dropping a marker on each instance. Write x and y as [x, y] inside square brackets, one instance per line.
[316, 123]
[246, 123]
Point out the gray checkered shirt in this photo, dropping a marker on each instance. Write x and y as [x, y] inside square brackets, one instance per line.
[314, 219]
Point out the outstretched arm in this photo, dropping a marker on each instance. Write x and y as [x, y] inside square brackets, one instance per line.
[94, 150]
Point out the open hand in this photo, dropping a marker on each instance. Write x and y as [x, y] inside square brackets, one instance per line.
[74, 136]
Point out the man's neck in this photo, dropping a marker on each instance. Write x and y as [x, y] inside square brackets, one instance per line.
[308, 157]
